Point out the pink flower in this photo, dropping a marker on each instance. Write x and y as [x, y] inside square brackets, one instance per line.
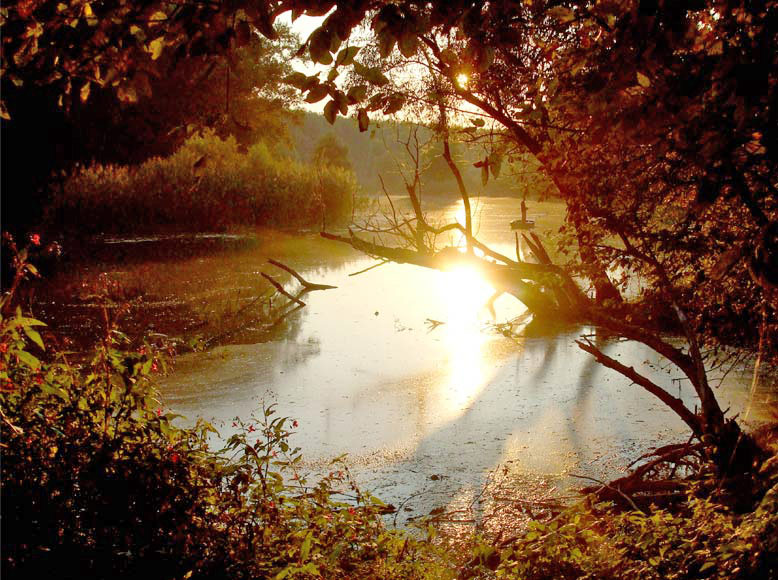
[295, 423]
[174, 457]
[234, 424]
[272, 505]
[35, 239]
[154, 367]
[159, 411]
[251, 429]
[352, 511]
[3, 347]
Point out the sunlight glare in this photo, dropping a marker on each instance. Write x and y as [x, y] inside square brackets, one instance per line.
[462, 80]
[464, 293]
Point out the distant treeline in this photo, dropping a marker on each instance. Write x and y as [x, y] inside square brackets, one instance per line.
[378, 152]
[209, 184]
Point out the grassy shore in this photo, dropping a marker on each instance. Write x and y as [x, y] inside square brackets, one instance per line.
[208, 185]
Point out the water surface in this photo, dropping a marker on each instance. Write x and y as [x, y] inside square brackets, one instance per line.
[428, 414]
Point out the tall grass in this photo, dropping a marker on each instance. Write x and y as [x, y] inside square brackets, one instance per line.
[207, 185]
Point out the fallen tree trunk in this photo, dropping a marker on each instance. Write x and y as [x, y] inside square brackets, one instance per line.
[520, 279]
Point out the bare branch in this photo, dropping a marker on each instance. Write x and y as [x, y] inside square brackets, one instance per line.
[309, 286]
[281, 290]
[674, 403]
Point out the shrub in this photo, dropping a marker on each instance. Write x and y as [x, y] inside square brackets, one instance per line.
[703, 539]
[207, 185]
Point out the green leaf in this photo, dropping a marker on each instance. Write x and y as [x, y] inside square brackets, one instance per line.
[363, 120]
[341, 102]
[28, 359]
[449, 57]
[34, 336]
[357, 94]
[409, 44]
[25, 321]
[346, 56]
[643, 80]
[386, 42]
[478, 122]
[297, 80]
[395, 103]
[495, 163]
[157, 17]
[485, 174]
[317, 93]
[319, 46]
[305, 549]
[374, 76]
[330, 112]
[707, 565]
[155, 47]
[301, 81]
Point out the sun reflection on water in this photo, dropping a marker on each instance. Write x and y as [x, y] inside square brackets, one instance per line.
[464, 294]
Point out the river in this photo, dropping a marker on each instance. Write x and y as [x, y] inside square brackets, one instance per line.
[428, 415]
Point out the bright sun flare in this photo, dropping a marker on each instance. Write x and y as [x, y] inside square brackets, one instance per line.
[464, 293]
[462, 79]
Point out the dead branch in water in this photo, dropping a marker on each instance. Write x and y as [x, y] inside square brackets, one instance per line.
[309, 286]
[281, 290]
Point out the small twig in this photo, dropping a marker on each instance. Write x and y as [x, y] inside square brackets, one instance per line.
[381, 263]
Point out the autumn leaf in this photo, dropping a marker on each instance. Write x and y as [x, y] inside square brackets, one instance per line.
[85, 92]
[155, 47]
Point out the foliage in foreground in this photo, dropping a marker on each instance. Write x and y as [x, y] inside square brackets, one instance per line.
[702, 540]
[207, 185]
